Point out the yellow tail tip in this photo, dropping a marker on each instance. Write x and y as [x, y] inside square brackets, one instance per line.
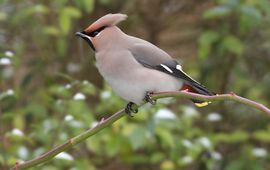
[202, 104]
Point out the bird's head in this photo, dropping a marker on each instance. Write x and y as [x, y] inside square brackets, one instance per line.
[101, 31]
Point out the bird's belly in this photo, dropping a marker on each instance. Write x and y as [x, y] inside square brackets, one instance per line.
[130, 92]
[135, 88]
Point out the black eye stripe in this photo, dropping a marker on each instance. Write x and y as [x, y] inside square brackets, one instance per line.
[95, 32]
[101, 28]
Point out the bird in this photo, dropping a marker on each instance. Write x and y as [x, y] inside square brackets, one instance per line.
[133, 67]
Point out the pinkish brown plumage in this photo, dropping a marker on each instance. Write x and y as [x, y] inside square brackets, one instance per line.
[107, 20]
[132, 66]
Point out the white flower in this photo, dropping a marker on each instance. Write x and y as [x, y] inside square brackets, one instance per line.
[214, 117]
[47, 126]
[259, 152]
[17, 132]
[72, 122]
[85, 82]
[216, 155]
[105, 94]
[187, 143]
[64, 156]
[79, 96]
[9, 53]
[5, 61]
[190, 112]
[63, 136]
[9, 92]
[68, 118]
[73, 67]
[67, 86]
[164, 114]
[205, 142]
[187, 159]
[23, 152]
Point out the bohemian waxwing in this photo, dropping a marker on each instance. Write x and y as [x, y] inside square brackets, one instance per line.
[134, 67]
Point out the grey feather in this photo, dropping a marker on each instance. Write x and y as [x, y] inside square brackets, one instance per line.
[152, 57]
[149, 54]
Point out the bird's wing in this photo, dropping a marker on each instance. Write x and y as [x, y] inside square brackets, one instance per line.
[153, 57]
[149, 52]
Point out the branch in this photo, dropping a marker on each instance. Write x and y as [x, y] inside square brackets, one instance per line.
[106, 122]
[222, 97]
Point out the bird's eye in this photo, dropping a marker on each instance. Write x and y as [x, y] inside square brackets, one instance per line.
[94, 33]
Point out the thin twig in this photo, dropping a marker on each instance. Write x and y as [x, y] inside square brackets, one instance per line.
[106, 122]
[231, 96]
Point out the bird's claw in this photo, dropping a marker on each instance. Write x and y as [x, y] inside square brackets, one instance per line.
[147, 98]
[131, 108]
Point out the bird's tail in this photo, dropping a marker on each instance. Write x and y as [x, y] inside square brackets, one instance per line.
[200, 89]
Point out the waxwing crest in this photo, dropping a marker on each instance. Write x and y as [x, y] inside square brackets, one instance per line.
[107, 20]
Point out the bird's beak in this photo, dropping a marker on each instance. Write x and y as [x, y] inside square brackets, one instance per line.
[87, 38]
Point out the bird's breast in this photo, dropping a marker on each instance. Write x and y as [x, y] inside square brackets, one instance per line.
[129, 79]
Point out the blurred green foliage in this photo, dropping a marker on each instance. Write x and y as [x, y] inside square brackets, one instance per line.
[50, 90]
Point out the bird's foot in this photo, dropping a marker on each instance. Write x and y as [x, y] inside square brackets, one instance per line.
[131, 108]
[147, 98]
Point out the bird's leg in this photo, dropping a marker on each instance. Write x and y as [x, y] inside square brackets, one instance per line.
[130, 109]
[147, 98]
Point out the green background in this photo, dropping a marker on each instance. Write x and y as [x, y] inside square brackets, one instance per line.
[51, 91]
